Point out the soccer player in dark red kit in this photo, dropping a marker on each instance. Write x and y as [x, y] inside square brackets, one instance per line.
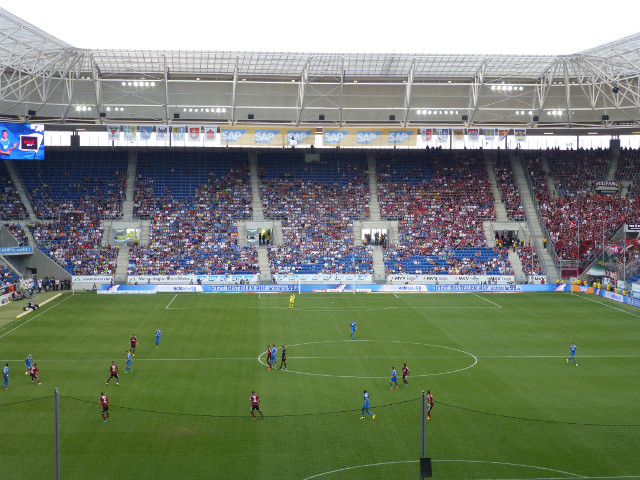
[104, 403]
[405, 374]
[254, 400]
[113, 372]
[33, 371]
[269, 356]
[430, 402]
[134, 341]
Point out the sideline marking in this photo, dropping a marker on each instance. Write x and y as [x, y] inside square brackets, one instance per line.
[34, 317]
[475, 359]
[462, 461]
[43, 303]
[605, 305]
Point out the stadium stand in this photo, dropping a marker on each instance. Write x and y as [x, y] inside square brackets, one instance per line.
[192, 199]
[18, 232]
[317, 203]
[507, 186]
[11, 207]
[440, 198]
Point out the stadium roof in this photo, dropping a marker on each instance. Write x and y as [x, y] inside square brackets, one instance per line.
[44, 79]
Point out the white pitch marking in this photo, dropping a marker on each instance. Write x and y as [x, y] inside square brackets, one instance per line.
[605, 305]
[462, 461]
[487, 300]
[35, 316]
[169, 304]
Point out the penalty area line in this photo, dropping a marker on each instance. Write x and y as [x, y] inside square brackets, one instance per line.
[169, 304]
[487, 300]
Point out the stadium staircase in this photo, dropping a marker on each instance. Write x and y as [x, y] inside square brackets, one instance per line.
[551, 185]
[501, 211]
[374, 204]
[256, 202]
[122, 262]
[533, 224]
[613, 164]
[257, 212]
[502, 221]
[127, 206]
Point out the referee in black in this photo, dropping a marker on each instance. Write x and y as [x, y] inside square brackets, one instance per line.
[284, 358]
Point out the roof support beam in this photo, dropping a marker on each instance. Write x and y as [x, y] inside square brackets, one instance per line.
[474, 91]
[302, 88]
[407, 92]
[234, 91]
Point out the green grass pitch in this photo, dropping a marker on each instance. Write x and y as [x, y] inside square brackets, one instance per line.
[508, 405]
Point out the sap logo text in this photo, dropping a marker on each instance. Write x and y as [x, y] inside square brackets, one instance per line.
[367, 137]
[335, 136]
[398, 136]
[265, 136]
[298, 136]
[231, 136]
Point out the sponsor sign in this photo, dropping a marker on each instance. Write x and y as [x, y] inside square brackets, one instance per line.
[16, 250]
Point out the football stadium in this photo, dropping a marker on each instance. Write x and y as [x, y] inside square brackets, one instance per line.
[245, 264]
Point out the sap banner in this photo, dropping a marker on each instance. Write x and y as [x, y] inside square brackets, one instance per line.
[372, 137]
[267, 136]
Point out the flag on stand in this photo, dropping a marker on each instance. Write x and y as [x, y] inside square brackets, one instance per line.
[443, 135]
[114, 132]
[194, 133]
[489, 134]
[145, 132]
[130, 132]
[177, 133]
[209, 134]
[162, 133]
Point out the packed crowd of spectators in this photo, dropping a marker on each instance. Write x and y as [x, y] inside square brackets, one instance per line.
[317, 203]
[18, 233]
[505, 179]
[448, 261]
[629, 170]
[11, 207]
[578, 219]
[575, 171]
[440, 199]
[73, 182]
[75, 242]
[192, 202]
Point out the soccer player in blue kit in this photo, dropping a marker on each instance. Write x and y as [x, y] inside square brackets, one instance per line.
[28, 362]
[353, 328]
[393, 378]
[274, 358]
[572, 352]
[158, 335]
[5, 375]
[128, 367]
[365, 406]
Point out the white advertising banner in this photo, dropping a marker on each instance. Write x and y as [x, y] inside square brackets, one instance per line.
[452, 279]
